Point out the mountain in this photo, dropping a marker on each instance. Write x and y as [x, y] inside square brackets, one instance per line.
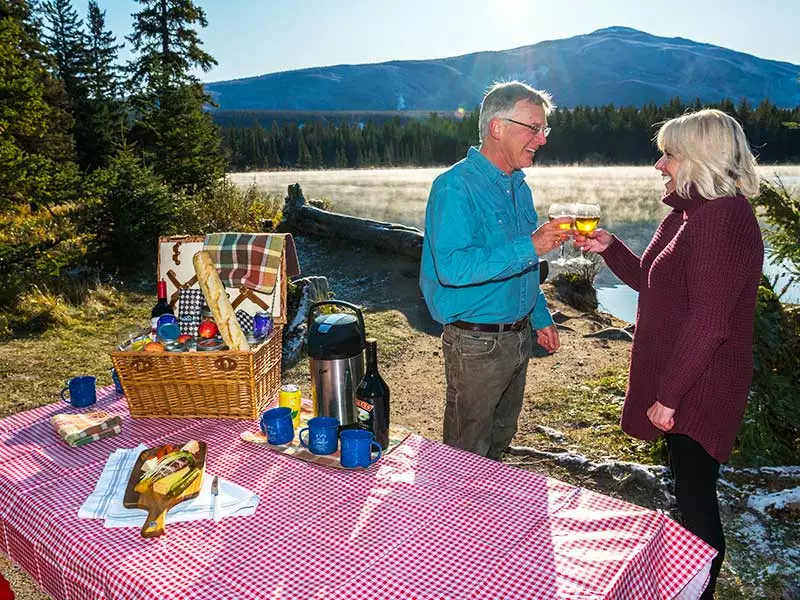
[615, 65]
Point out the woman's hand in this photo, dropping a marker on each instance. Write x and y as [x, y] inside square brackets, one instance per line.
[596, 241]
[661, 416]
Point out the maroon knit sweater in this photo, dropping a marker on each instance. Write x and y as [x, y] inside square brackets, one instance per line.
[693, 347]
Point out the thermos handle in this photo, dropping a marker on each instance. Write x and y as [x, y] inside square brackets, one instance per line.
[352, 307]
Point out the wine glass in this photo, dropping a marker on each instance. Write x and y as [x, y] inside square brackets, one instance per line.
[561, 210]
[587, 218]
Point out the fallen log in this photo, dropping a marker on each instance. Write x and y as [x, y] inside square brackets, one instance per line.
[300, 217]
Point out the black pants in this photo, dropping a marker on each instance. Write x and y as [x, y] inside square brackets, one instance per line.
[696, 474]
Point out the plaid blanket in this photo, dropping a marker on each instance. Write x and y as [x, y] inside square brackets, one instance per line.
[251, 260]
[78, 429]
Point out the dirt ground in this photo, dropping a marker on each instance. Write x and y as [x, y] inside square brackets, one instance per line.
[410, 353]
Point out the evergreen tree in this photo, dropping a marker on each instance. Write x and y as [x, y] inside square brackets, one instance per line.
[103, 112]
[35, 146]
[172, 126]
[64, 37]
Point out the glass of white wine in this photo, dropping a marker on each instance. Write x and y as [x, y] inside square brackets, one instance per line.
[561, 210]
[587, 218]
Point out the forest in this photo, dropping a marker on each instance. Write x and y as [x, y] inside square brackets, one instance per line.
[604, 135]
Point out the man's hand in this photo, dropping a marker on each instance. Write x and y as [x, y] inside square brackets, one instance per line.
[597, 241]
[548, 338]
[661, 416]
[550, 235]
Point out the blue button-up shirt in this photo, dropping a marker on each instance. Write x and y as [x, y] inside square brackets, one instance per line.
[478, 260]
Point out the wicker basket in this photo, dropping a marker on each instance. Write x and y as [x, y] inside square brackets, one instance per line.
[221, 384]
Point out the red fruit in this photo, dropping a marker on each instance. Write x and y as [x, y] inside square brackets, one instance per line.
[207, 330]
[184, 338]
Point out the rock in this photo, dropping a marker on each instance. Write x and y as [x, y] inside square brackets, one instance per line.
[311, 289]
[554, 435]
[559, 317]
[611, 333]
[576, 291]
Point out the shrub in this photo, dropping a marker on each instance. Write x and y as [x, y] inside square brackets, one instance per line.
[782, 212]
[131, 208]
[770, 433]
[575, 286]
[226, 207]
[37, 247]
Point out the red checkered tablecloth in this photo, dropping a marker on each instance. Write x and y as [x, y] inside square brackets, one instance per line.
[425, 522]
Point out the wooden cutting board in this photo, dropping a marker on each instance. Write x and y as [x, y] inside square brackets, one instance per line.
[157, 504]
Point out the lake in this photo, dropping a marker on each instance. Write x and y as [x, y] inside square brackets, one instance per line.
[630, 198]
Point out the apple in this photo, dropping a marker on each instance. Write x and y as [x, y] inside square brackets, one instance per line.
[207, 330]
[184, 338]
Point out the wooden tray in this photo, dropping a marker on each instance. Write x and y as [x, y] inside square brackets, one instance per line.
[156, 504]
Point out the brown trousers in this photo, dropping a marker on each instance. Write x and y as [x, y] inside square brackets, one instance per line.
[485, 375]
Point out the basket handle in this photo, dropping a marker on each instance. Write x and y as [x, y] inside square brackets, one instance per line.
[344, 304]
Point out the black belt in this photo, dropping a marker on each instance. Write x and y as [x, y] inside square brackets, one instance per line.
[492, 327]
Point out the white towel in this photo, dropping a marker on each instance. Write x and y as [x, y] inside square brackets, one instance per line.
[105, 502]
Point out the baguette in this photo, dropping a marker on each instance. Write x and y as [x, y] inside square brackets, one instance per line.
[218, 302]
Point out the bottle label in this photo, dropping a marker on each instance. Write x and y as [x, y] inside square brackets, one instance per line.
[364, 413]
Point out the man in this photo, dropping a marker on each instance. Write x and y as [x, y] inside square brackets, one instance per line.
[480, 270]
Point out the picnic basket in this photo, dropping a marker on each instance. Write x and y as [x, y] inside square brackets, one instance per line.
[223, 384]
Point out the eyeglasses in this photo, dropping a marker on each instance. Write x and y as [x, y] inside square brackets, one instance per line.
[536, 129]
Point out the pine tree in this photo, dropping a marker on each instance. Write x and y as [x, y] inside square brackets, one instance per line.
[102, 74]
[84, 64]
[172, 125]
[35, 146]
[64, 37]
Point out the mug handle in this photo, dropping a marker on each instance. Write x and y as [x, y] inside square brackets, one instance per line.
[64, 398]
[300, 437]
[380, 452]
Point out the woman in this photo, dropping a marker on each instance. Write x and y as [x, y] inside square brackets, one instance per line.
[691, 361]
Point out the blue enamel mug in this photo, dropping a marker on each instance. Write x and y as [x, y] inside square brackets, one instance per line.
[82, 391]
[356, 448]
[276, 423]
[323, 435]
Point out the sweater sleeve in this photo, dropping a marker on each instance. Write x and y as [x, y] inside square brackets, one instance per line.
[721, 251]
[624, 263]
[460, 257]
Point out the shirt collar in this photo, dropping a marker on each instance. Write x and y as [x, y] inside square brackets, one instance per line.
[487, 168]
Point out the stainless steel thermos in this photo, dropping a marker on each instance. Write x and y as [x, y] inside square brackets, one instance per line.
[336, 345]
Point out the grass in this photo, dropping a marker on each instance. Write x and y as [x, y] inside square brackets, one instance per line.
[588, 416]
[78, 341]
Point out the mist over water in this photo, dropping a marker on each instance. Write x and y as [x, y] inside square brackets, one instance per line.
[630, 199]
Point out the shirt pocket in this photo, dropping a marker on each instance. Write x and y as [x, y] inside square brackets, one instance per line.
[502, 219]
[529, 216]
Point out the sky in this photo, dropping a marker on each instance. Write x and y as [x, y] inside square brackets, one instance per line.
[253, 37]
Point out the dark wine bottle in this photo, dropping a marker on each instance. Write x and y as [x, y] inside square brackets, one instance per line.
[162, 307]
[372, 398]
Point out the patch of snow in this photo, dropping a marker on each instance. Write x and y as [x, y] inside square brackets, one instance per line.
[776, 501]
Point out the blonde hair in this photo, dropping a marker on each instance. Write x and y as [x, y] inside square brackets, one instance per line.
[500, 100]
[713, 152]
